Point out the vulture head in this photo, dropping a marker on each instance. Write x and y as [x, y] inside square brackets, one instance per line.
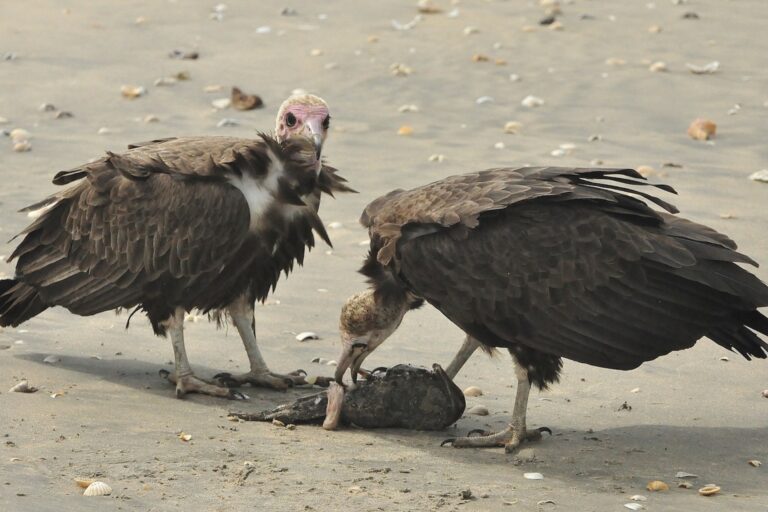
[366, 321]
[306, 115]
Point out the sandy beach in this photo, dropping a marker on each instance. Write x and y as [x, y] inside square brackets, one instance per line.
[103, 412]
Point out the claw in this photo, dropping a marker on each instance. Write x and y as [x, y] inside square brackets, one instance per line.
[448, 441]
[479, 432]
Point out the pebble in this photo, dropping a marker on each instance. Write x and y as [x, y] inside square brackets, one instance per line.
[702, 129]
[512, 127]
[533, 476]
[221, 103]
[532, 101]
[473, 391]
[658, 67]
[22, 146]
[761, 175]
[436, 157]
[227, 122]
[478, 410]
[405, 130]
[484, 99]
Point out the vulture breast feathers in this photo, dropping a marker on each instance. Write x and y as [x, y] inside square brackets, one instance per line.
[187, 221]
[568, 262]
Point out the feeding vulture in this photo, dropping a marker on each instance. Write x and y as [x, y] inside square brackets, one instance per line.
[172, 225]
[551, 263]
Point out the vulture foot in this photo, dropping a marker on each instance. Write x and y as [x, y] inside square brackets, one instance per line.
[510, 438]
[269, 380]
[192, 384]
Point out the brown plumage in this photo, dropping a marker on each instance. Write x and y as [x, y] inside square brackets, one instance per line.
[559, 262]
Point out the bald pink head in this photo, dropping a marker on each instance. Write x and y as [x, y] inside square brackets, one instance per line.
[306, 115]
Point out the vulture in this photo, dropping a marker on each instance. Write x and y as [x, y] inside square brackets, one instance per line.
[551, 263]
[181, 224]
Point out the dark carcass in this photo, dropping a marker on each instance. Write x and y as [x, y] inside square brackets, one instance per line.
[400, 397]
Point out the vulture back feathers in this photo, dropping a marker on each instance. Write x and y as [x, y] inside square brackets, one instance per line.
[565, 262]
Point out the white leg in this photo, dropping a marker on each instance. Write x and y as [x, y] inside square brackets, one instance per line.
[462, 356]
[183, 377]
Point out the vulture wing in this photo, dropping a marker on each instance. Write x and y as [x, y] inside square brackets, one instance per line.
[559, 262]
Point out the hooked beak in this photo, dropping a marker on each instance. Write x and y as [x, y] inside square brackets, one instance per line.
[352, 356]
[315, 128]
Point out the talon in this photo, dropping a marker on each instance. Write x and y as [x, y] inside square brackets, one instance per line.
[382, 369]
[448, 441]
[299, 373]
[544, 429]
[479, 432]
[164, 373]
[237, 395]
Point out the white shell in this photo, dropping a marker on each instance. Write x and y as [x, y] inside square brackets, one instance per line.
[132, 91]
[19, 135]
[638, 497]
[761, 175]
[408, 108]
[706, 69]
[533, 476]
[310, 379]
[335, 225]
[683, 474]
[754, 463]
[307, 335]
[22, 387]
[478, 410]
[227, 121]
[484, 99]
[513, 127]
[98, 489]
[473, 391]
[532, 101]
[51, 359]
[658, 67]
[22, 146]
[331, 363]
[634, 506]
[221, 103]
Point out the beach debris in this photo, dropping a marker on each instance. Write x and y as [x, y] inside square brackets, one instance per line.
[165, 81]
[83, 483]
[709, 490]
[331, 363]
[754, 463]
[654, 29]
[513, 127]
[57, 394]
[706, 69]
[484, 99]
[734, 110]
[454, 13]
[533, 476]
[638, 497]
[499, 145]
[221, 103]
[184, 54]
[320, 360]
[408, 108]
[244, 101]
[684, 485]
[103, 131]
[547, 20]
[634, 390]
[22, 387]
[97, 489]
[132, 91]
[478, 410]
[373, 39]
[657, 486]
[761, 175]
[428, 7]
[531, 101]
[436, 157]
[724, 359]
[151, 118]
[702, 129]
[405, 130]
[227, 122]
[63, 114]
[615, 61]
[22, 146]
[658, 67]
[307, 335]
[46, 107]
[263, 30]
[51, 359]
[765, 393]
[473, 391]
[19, 135]
[634, 506]
[8, 56]
[398, 69]
[690, 15]
[213, 88]
[185, 437]
[684, 474]
[480, 57]
[315, 52]
[468, 31]
[406, 26]
[335, 225]
[563, 150]
[728, 216]
[514, 77]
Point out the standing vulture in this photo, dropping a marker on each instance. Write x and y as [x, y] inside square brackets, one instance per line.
[172, 225]
[550, 263]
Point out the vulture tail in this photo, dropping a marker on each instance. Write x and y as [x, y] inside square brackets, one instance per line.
[741, 339]
[18, 302]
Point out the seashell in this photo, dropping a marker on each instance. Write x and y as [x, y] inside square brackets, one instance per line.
[690, 15]
[500, 62]
[278, 423]
[263, 30]
[706, 69]
[290, 426]
[709, 490]
[57, 394]
[63, 114]
[658, 67]
[320, 360]
[51, 359]
[243, 101]
[84, 482]
[532, 101]
[132, 91]
[468, 31]
[484, 99]
[478, 410]
[331, 363]
[185, 437]
[638, 497]
[683, 474]
[499, 145]
[212, 88]
[761, 175]
[615, 61]
[151, 118]
[140, 20]
[480, 57]
[316, 52]
[221, 103]
[46, 107]
[473, 391]
[684, 485]
[436, 157]
[654, 29]
[513, 77]
[310, 379]
[765, 393]
[428, 7]
[185, 55]
[405, 130]
[22, 146]
[335, 225]
[373, 39]
[307, 335]
[226, 122]
[19, 135]
[702, 129]
[754, 463]
[533, 476]
[657, 485]
[634, 506]
[408, 108]
[406, 26]
[556, 25]
[164, 81]
[22, 387]
[400, 69]
[104, 131]
[512, 127]
[724, 359]
[98, 489]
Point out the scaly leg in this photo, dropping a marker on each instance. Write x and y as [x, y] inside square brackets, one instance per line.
[241, 311]
[462, 356]
[515, 434]
[185, 380]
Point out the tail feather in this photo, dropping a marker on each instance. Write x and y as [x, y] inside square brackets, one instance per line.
[18, 302]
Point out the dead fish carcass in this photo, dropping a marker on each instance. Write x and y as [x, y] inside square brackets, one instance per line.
[400, 397]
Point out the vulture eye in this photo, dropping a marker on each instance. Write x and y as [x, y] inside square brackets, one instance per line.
[290, 119]
[326, 122]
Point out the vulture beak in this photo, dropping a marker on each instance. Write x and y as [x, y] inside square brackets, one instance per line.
[315, 128]
[352, 356]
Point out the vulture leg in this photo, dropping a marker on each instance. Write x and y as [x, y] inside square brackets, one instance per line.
[462, 356]
[241, 311]
[183, 377]
[516, 433]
